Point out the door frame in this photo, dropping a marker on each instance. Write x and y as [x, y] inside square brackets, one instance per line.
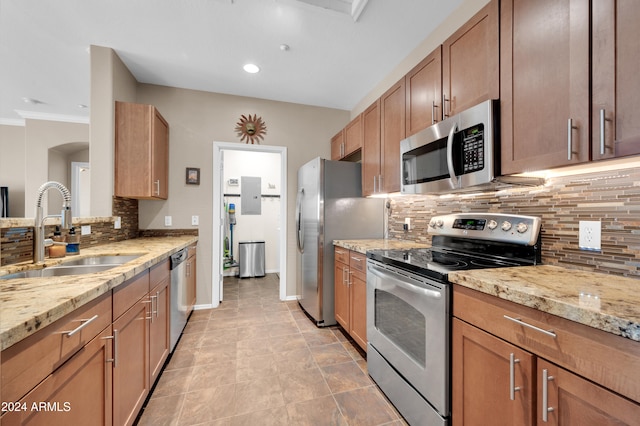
[218, 219]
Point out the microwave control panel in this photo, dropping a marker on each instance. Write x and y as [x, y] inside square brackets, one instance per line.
[473, 149]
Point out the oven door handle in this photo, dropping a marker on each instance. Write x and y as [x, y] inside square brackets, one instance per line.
[452, 171]
[413, 288]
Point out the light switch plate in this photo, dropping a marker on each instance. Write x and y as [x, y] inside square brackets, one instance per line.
[85, 230]
[167, 221]
[589, 237]
[195, 220]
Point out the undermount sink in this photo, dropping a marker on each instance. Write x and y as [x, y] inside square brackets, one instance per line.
[81, 266]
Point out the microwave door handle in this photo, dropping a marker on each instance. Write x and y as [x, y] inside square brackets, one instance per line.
[452, 171]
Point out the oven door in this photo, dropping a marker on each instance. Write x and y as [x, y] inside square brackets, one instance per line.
[408, 324]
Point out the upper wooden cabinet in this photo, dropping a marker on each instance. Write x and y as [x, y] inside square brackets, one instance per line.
[470, 62]
[370, 148]
[392, 131]
[544, 79]
[348, 140]
[423, 85]
[615, 105]
[141, 152]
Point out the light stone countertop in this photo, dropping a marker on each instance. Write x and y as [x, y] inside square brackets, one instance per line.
[606, 302]
[361, 246]
[29, 304]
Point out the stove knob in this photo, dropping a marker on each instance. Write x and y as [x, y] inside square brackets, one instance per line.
[492, 224]
[439, 223]
[506, 225]
[522, 228]
[432, 223]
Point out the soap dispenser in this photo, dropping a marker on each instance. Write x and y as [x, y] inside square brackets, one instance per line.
[73, 242]
[58, 248]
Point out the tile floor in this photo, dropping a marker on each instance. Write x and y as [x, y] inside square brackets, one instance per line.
[258, 361]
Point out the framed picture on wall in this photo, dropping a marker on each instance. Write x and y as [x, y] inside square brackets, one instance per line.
[193, 176]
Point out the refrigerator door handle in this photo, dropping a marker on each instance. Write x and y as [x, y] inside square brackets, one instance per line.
[299, 233]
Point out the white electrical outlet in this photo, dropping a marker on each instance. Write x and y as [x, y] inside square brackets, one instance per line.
[85, 230]
[589, 237]
[167, 221]
[407, 224]
[117, 224]
[195, 220]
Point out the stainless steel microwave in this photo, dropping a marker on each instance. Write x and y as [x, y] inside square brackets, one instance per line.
[456, 154]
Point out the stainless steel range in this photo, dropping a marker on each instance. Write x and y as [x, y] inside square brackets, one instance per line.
[409, 305]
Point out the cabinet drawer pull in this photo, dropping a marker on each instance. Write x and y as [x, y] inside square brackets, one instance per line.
[157, 183]
[433, 112]
[85, 322]
[545, 395]
[570, 129]
[512, 376]
[357, 259]
[519, 321]
[157, 303]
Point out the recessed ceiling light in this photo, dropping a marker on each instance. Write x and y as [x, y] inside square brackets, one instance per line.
[31, 101]
[251, 68]
[82, 106]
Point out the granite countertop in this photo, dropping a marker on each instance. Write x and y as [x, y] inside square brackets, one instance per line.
[361, 246]
[29, 304]
[606, 302]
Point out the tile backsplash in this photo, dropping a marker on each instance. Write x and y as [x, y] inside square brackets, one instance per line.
[612, 197]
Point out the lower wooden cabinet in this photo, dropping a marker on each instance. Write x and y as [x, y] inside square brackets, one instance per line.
[500, 380]
[350, 294]
[77, 393]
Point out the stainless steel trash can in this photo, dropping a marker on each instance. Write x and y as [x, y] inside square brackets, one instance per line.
[251, 259]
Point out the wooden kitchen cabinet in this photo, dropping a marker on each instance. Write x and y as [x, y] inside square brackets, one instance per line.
[76, 393]
[544, 84]
[594, 375]
[615, 104]
[371, 161]
[470, 62]
[348, 140]
[423, 85]
[350, 285]
[160, 310]
[131, 382]
[141, 152]
[191, 272]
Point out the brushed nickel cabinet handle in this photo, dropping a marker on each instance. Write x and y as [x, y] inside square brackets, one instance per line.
[533, 327]
[602, 120]
[114, 360]
[545, 395]
[512, 377]
[157, 183]
[570, 129]
[85, 322]
[433, 112]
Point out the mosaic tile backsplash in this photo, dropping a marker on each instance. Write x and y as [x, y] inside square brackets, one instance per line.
[611, 197]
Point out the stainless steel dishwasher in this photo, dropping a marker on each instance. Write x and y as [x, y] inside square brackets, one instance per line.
[179, 305]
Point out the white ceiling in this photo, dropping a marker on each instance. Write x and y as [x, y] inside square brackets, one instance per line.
[203, 44]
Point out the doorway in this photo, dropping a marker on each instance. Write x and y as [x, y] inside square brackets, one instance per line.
[219, 213]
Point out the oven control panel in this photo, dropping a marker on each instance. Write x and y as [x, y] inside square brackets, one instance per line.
[516, 229]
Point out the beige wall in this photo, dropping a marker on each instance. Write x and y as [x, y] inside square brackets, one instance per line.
[12, 166]
[196, 120]
[466, 10]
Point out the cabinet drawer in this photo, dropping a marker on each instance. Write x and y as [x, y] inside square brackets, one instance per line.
[128, 293]
[609, 360]
[341, 255]
[29, 361]
[358, 261]
[159, 273]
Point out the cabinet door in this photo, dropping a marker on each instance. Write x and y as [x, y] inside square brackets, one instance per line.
[424, 93]
[160, 156]
[337, 145]
[544, 84]
[159, 328]
[615, 104]
[470, 62]
[358, 296]
[131, 366]
[371, 148]
[341, 294]
[353, 136]
[482, 382]
[191, 272]
[77, 393]
[574, 401]
[392, 131]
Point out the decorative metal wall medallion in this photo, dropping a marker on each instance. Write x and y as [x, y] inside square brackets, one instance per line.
[251, 129]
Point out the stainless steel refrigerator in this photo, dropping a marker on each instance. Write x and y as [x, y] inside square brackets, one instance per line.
[329, 207]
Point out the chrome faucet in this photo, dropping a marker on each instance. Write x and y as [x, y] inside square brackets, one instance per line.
[65, 217]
